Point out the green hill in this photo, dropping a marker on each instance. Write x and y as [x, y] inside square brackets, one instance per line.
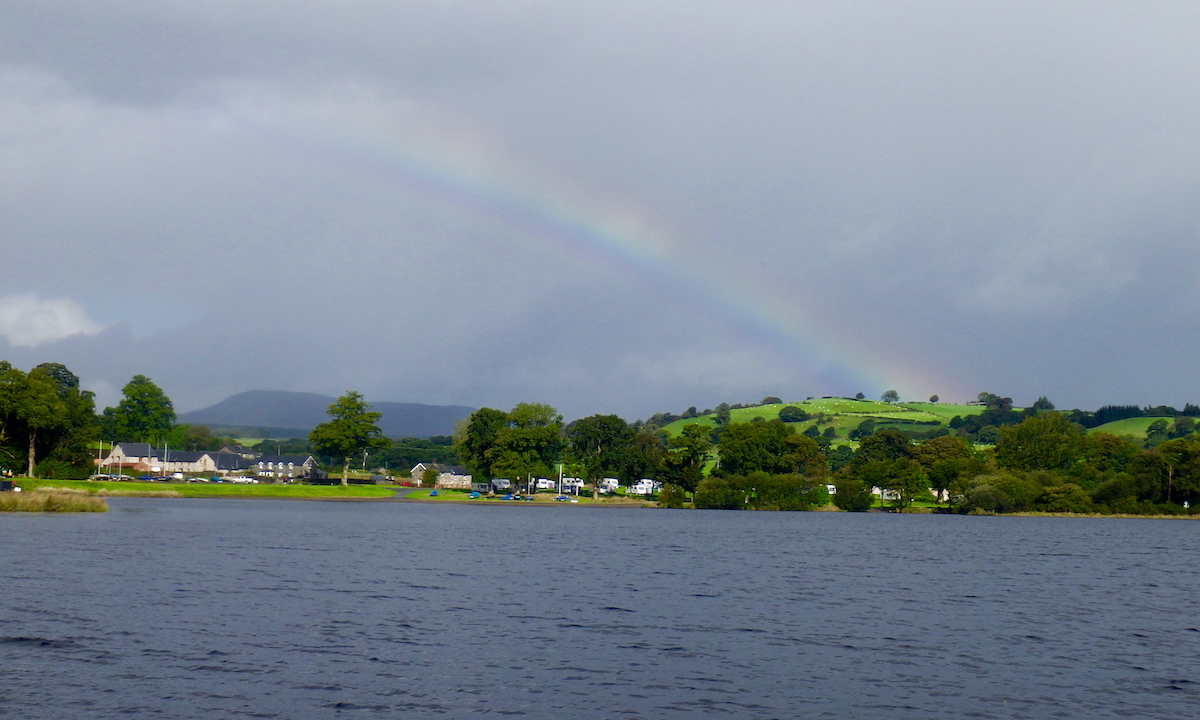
[1133, 427]
[845, 414]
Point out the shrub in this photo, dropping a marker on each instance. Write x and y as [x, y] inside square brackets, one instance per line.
[866, 428]
[777, 492]
[1067, 497]
[671, 496]
[716, 494]
[59, 470]
[1000, 493]
[792, 414]
[852, 495]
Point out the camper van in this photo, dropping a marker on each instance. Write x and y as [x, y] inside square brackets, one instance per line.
[645, 486]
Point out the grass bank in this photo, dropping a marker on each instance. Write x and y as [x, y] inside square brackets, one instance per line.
[42, 500]
[1099, 515]
[214, 490]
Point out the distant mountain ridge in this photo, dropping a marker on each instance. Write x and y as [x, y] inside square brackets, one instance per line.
[301, 411]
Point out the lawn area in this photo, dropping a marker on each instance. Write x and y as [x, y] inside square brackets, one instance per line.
[1133, 427]
[219, 490]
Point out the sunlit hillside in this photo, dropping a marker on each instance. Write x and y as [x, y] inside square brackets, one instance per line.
[845, 414]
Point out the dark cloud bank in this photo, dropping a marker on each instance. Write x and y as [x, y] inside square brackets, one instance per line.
[824, 198]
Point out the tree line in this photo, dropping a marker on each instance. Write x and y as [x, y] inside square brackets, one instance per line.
[1042, 460]
[1038, 459]
[48, 424]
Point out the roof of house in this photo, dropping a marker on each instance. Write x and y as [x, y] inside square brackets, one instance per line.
[452, 469]
[229, 461]
[294, 459]
[137, 449]
[170, 455]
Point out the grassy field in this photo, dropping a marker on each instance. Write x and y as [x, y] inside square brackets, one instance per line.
[843, 414]
[217, 490]
[945, 411]
[1133, 427]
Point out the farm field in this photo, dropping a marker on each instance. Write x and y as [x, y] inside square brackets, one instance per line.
[843, 414]
[1133, 427]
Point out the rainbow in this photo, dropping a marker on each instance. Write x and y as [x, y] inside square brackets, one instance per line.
[462, 170]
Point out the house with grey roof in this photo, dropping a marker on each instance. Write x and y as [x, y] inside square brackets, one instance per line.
[449, 476]
[143, 457]
[287, 468]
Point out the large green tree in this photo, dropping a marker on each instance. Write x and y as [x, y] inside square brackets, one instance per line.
[528, 444]
[145, 413]
[641, 458]
[944, 460]
[686, 455]
[1047, 441]
[352, 429]
[773, 447]
[67, 446]
[44, 414]
[599, 445]
[884, 460]
[33, 406]
[1181, 461]
[10, 382]
[475, 439]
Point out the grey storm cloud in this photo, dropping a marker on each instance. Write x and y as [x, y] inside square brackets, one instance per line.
[613, 207]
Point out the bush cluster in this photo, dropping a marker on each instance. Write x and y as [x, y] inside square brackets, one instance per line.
[761, 491]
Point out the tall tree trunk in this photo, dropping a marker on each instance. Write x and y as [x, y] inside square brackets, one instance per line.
[32, 435]
[345, 471]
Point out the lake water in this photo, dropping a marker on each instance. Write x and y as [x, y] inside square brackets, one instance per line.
[172, 608]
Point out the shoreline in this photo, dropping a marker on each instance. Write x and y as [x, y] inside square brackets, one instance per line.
[384, 494]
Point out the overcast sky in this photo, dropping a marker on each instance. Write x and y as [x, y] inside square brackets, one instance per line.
[624, 207]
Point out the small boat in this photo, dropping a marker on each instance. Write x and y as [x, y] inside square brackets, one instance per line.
[473, 495]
